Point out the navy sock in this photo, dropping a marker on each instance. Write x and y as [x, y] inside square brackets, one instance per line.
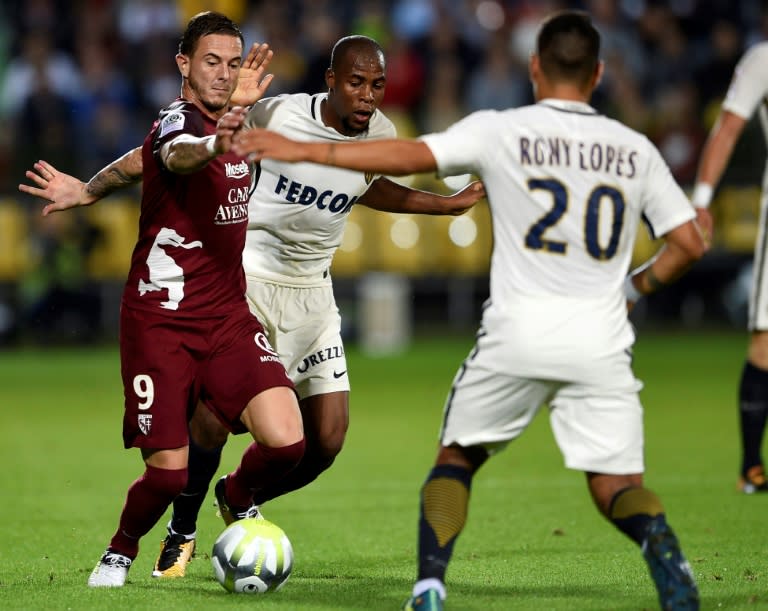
[443, 513]
[753, 410]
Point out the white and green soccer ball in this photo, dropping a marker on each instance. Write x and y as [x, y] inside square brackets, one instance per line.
[252, 556]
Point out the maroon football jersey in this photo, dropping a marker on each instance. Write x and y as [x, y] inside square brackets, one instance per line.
[188, 257]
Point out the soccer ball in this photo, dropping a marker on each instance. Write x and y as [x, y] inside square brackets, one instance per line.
[252, 556]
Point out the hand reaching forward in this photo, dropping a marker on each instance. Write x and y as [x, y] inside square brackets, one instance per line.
[463, 200]
[61, 190]
[227, 126]
[252, 84]
[260, 143]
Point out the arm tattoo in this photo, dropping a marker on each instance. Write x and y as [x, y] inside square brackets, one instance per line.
[108, 180]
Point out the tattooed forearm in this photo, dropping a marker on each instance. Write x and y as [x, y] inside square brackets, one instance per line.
[120, 173]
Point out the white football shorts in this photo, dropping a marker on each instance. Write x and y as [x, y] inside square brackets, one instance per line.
[758, 298]
[597, 426]
[304, 328]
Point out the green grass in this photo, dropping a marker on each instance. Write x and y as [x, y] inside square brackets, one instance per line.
[533, 539]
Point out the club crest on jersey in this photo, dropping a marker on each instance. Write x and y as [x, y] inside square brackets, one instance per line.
[145, 423]
[368, 177]
[171, 123]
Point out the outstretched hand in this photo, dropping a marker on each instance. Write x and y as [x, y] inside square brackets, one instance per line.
[463, 200]
[227, 126]
[260, 143]
[61, 190]
[252, 83]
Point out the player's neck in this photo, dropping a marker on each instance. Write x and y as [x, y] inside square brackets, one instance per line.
[569, 93]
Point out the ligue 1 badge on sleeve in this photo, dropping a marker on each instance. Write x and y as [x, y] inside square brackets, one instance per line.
[145, 423]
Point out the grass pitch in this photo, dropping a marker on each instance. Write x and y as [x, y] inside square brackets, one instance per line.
[533, 539]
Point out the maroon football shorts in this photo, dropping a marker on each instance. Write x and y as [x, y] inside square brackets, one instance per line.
[168, 363]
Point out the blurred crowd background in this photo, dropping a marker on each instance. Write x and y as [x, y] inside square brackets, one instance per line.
[82, 80]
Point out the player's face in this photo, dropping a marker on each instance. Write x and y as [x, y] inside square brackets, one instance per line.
[211, 71]
[356, 89]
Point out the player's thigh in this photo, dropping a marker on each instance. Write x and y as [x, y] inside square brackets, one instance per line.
[206, 429]
[242, 366]
[306, 330]
[273, 417]
[489, 408]
[158, 374]
[599, 430]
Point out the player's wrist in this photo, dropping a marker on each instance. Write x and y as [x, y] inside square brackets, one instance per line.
[631, 292]
[702, 195]
[210, 145]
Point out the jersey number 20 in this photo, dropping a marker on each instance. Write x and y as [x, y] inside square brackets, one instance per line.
[536, 240]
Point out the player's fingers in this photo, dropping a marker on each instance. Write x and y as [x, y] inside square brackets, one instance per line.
[263, 54]
[250, 56]
[34, 191]
[46, 169]
[36, 178]
[264, 84]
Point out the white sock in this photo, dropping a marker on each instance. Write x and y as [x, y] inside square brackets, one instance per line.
[432, 583]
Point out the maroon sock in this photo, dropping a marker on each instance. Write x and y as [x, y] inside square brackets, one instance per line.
[146, 502]
[260, 466]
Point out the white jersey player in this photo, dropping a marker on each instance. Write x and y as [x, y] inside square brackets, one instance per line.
[567, 188]
[748, 92]
[297, 215]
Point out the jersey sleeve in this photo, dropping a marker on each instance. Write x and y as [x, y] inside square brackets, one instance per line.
[464, 147]
[174, 121]
[261, 113]
[664, 204]
[749, 84]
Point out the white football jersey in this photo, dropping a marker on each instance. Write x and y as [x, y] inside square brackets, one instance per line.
[749, 88]
[567, 188]
[297, 212]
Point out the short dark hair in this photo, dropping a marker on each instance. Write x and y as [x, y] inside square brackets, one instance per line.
[203, 24]
[356, 43]
[568, 47]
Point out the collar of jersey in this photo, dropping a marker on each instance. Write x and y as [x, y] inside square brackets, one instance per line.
[569, 106]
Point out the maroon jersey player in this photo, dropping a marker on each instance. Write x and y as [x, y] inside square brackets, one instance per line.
[186, 332]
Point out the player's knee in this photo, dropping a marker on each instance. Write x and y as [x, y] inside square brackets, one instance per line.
[327, 445]
[283, 458]
[166, 482]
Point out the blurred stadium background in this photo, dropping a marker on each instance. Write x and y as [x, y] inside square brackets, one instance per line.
[81, 81]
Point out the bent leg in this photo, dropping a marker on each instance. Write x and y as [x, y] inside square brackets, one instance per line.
[274, 420]
[326, 420]
[639, 514]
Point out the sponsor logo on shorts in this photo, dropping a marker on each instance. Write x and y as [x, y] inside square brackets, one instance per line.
[263, 343]
[326, 354]
[145, 423]
[268, 358]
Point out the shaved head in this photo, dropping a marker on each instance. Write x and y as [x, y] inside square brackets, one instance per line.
[352, 46]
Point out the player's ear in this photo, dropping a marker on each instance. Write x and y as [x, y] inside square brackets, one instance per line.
[330, 79]
[599, 69]
[182, 61]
